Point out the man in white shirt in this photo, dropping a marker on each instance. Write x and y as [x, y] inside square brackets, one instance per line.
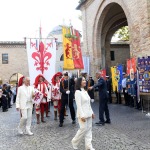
[25, 105]
[124, 85]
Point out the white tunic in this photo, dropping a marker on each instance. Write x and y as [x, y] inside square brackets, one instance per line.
[56, 95]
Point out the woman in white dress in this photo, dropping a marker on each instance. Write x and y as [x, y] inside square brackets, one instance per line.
[84, 115]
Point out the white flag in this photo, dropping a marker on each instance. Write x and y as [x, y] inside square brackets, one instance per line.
[41, 58]
[86, 62]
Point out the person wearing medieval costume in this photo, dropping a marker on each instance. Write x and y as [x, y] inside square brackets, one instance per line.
[91, 92]
[49, 86]
[41, 86]
[56, 95]
[66, 88]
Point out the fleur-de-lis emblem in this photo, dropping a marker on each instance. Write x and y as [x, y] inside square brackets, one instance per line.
[41, 56]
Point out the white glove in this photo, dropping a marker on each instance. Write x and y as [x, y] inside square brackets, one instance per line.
[92, 100]
[68, 92]
[126, 91]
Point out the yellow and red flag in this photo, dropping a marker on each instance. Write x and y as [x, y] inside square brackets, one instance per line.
[67, 49]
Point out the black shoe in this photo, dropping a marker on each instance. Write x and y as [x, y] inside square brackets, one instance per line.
[5, 110]
[61, 124]
[108, 121]
[73, 122]
[100, 123]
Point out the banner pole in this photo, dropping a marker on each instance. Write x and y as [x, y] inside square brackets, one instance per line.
[68, 87]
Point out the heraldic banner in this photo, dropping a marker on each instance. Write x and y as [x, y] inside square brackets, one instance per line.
[67, 48]
[103, 73]
[144, 74]
[114, 78]
[76, 49]
[86, 62]
[120, 76]
[131, 66]
[41, 58]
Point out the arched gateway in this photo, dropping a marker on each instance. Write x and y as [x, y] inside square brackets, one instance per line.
[102, 18]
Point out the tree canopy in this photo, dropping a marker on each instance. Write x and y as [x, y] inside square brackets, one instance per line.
[123, 33]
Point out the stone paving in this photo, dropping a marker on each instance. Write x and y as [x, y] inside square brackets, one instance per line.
[130, 130]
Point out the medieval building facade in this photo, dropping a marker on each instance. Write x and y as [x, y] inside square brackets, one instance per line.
[102, 18]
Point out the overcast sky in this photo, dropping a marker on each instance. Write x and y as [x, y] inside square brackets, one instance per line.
[21, 18]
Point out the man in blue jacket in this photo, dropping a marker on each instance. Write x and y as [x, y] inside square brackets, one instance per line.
[103, 100]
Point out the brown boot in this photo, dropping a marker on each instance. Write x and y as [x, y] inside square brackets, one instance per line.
[38, 118]
[55, 113]
[65, 114]
[47, 114]
[42, 118]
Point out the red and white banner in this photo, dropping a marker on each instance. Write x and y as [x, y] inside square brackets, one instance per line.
[38, 97]
[131, 66]
[41, 58]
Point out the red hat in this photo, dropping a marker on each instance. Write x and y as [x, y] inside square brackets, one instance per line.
[58, 74]
[21, 81]
[37, 80]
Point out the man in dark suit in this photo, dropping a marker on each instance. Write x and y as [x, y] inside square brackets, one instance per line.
[67, 97]
[103, 100]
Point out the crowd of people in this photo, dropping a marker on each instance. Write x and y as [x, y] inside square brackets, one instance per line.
[7, 96]
[62, 91]
[128, 90]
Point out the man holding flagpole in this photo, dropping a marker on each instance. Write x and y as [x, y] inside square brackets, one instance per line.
[72, 60]
[66, 88]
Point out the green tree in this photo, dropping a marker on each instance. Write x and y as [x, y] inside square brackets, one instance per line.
[123, 33]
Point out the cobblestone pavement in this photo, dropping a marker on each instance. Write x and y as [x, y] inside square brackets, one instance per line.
[130, 130]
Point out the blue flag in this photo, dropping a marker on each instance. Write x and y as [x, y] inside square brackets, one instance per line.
[120, 76]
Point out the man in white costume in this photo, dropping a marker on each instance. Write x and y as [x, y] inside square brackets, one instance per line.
[25, 105]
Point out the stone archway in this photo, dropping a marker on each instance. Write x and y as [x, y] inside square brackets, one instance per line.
[110, 17]
[14, 78]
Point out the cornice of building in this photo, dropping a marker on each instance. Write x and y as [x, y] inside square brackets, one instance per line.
[84, 3]
[12, 44]
[81, 3]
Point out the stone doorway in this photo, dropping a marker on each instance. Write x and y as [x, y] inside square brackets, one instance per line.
[14, 78]
[112, 18]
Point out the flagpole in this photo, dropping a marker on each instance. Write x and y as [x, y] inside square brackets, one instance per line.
[40, 34]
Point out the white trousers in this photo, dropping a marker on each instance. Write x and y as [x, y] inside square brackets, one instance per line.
[26, 118]
[84, 131]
